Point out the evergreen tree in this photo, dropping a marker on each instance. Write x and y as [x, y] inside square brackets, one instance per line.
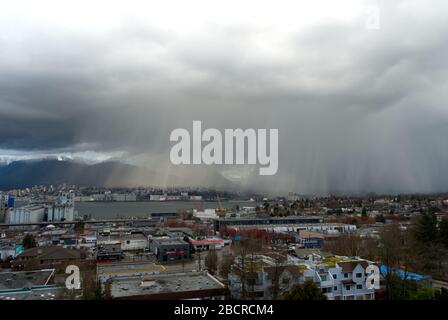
[364, 212]
[306, 291]
[79, 227]
[29, 241]
[99, 295]
[428, 249]
[425, 231]
[443, 231]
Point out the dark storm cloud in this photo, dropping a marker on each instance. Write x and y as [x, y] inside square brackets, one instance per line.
[357, 110]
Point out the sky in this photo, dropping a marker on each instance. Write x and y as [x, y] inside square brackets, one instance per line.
[358, 108]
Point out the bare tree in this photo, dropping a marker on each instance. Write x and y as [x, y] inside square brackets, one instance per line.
[345, 245]
[390, 252]
[246, 251]
[199, 260]
[278, 269]
[211, 261]
[225, 265]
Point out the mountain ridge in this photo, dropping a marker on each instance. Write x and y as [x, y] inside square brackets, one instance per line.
[27, 173]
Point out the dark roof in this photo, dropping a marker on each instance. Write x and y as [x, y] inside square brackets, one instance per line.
[348, 266]
[52, 253]
[293, 270]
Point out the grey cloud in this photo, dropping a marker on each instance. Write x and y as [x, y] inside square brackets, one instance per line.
[357, 110]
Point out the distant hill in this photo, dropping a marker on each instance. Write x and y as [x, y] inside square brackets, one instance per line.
[23, 174]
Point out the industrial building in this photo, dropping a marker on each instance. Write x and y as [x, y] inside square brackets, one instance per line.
[170, 249]
[124, 197]
[6, 204]
[161, 215]
[134, 242]
[222, 223]
[27, 214]
[127, 241]
[326, 228]
[63, 208]
[308, 239]
[109, 252]
[192, 285]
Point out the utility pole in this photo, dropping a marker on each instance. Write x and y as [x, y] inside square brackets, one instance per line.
[199, 261]
[183, 262]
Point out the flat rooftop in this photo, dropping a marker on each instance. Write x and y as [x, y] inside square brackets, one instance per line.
[24, 279]
[129, 268]
[270, 218]
[292, 225]
[163, 284]
[31, 207]
[51, 293]
[118, 237]
[170, 242]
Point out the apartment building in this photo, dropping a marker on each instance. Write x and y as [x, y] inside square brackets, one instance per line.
[261, 277]
[340, 278]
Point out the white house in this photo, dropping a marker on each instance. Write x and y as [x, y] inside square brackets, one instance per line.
[340, 278]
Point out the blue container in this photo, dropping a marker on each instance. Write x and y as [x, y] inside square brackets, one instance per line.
[19, 249]
[11, 201]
